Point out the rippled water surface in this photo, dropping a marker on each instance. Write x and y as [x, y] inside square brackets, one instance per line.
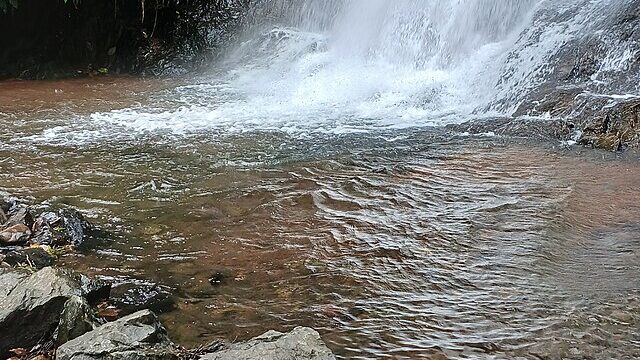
[396, 243]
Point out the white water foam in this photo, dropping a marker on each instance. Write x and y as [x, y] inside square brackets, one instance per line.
[336, 66]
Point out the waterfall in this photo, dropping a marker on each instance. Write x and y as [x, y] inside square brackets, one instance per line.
[336, 66]
[414, 32]
[399, 62]
[413, 58]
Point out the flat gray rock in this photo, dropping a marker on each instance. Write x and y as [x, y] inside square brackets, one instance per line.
[134, 337]
[301, 343]
[9, 279]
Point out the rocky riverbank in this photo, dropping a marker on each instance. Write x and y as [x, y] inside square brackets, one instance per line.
[50, 312]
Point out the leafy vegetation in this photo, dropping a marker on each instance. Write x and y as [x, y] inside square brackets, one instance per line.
[5, 5]
[66, 38]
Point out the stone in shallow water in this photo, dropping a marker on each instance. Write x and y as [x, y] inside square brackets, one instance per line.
[300, 344]
[137, 336]
[66, 227]
[219, 278]
[131, 297]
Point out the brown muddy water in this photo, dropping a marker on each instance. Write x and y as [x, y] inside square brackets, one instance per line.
[393, 243]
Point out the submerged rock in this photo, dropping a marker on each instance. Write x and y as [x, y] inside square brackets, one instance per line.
[131, 297]
[137, 336]
[43, 304]
[219, 278]
[300, 344]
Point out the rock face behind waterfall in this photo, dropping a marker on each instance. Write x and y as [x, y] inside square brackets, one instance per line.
[589, 73]
[45, 39]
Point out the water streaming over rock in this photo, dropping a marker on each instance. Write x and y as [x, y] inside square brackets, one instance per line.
[394, 61]
[434, 59]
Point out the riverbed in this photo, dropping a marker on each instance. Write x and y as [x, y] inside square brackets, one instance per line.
[392, 241]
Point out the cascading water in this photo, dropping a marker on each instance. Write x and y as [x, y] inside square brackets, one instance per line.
[397, 62]
[357, 65]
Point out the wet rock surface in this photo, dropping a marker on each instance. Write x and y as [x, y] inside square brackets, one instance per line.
[582, 86]
[64, 227]
[137, 336]
[527, 128]
[300, 344]
[54, 308]
[27, 239]
[35, 257]
[614, 127]
[47, 311]
[131, 297]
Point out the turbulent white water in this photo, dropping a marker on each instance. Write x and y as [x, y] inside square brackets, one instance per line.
[354, 65]
[400, 63]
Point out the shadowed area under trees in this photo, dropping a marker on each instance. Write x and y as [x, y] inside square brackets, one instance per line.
[60, 38]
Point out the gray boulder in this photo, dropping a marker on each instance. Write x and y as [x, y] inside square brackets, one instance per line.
[9, 279]
[3, 216]
[20, 214]
[137, 336]
[76, 319]
[301, 343]
[41, 303]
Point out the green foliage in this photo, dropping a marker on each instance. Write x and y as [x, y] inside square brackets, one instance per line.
[5, 5]
[75, 2]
